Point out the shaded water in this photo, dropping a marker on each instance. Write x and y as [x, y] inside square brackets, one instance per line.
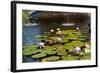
[28, 34]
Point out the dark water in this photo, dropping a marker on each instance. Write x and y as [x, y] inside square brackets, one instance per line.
[29, 33]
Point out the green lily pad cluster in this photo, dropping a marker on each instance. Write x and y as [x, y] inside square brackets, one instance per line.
[56, 52]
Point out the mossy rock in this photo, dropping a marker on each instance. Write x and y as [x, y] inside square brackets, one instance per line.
[40, 55]
[52, 58]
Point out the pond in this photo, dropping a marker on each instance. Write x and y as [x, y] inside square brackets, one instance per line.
[29, 33]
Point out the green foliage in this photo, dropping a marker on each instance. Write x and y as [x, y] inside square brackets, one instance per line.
[25, 16]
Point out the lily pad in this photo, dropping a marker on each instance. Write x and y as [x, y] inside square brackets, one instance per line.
[27, 52]
[52, 58]
[68, 58]
[76, 43]
[49, 51]
[65, 39]
[30, 51]
[61, 51]
[40, 55]
[30, 47]
[68, 47]
[86, 57]
[36, 51]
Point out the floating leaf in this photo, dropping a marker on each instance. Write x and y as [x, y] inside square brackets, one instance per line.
[30, 51]
[68, 58]
[52, 58]
[68, 47]
[75, 43]
[36, 51]
[61, 51]
[50, 52]
[40, 55]
[30, 47]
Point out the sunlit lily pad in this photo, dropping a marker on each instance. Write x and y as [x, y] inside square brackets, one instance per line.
[61, 51]
[40, 55]
[30, 51]
[75, 43]
[49, 51]
[36, 51]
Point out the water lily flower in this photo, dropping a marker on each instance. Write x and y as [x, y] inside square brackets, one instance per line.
[58, 29]
[51, 30]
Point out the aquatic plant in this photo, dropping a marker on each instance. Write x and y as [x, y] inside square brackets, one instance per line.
[30, 51]
[40, 55]
[49, 52]
[51, 58]
[66, 57]
[55, 52]
[61, 51]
